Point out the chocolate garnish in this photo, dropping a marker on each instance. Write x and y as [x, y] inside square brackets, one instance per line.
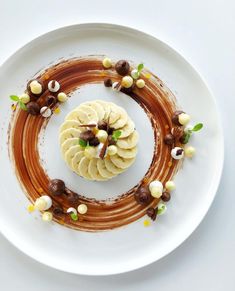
[56, 187]
[122, 67]
[152, 213]
[87, 135]
[143, 195]
[175, 117]
[166, 196]
[87, 125]
[169, 139]
[179, 152]
[108, 82]
[103, 150]
[33, 108]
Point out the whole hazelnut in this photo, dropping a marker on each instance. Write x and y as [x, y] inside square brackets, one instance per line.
[56, 187]
[33, 108]
[143, 196]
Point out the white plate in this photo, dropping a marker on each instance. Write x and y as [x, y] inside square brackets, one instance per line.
[133, 246]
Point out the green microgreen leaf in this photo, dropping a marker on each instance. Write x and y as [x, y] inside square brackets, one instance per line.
[82, 143]
[14, 98]
[161, 209]
[22, 106]
[197, 127]
[116, 134]
[74, 216]
[186, 137]
[140, 67]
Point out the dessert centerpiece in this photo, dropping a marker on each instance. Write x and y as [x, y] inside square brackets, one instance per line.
[98, 141]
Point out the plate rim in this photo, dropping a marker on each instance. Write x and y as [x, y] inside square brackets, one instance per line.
[123, 269]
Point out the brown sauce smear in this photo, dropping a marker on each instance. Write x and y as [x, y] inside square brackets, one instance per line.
[158, 103]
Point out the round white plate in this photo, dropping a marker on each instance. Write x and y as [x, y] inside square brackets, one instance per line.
[132, 246]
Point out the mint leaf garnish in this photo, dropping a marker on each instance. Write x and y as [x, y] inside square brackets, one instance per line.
[186, 137]
[82, 143]
[140, 67]
[14, 98]
[22, 106]
[74, 216]
[116, 134]
[197, 127]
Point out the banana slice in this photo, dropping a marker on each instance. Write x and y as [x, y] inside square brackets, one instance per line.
[122, 120]
[76, 160]
[127, 153]
[73, 115]
[127, 129]
[129, 142]
[97, 107]
[70, 124]
[106, 108]
[67, 144]
[115, 113]
[121, 162]
[83, 168]
[112, 168]
[93, 171]
[69, 133]
[70, 153]
[104, 172]
[91, 113]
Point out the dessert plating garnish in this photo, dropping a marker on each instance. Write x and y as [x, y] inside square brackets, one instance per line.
[177, 153]
[189, 131]
[53, 86]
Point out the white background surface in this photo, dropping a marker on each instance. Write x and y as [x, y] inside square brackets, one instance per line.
[203, 31]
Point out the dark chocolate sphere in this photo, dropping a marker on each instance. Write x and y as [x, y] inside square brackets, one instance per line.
[169, 139]
[87, 135]
[56, 187]
[33, 108]
[142, 195]
[122, 67]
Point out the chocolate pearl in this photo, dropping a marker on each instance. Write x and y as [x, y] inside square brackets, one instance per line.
[87, 135]
[166, 196]
[72, 198]
[58, 211]
[29, 89]
[169, 139]
[56, 187]
[111, 141]
[152, 213]
[108, 82]
[175, 117]
[142, 195]
[94, 142]
[51, 100]
[103, 125]
[33, 108]
[122, 67]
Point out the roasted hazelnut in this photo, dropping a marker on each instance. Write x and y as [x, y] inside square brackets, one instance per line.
[72, 198]
[102, 125]
[122, 67]
[51, 100]
[33, 108]
[143, 195]
[108, 82]
[175, 117]
[56, 187]
[169, 139]
[94, 142]
[58, 211]
[87, 135]
[166, 196]
[152, 213]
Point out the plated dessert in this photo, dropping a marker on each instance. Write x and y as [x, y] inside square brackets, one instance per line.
[98, 141]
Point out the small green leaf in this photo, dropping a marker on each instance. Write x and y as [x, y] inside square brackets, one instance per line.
[116, 134]
[161, 209]
[74, 216]
[197, 127]
[186, 137]
[82, 143]
[22, 106]
[140, 67]
[14, 98]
